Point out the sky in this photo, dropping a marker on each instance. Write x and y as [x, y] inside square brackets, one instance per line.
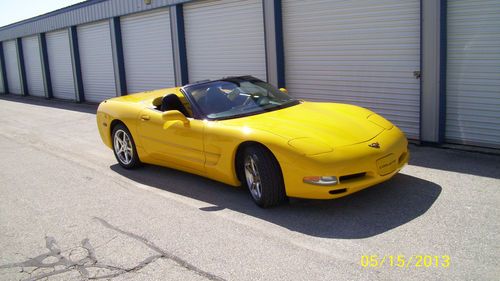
[12, 11]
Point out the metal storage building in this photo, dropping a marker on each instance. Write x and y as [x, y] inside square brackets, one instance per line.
[430, 66]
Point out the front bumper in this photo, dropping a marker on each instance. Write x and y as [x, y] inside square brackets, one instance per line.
[357, 167]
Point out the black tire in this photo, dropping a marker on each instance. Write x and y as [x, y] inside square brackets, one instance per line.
[272, 191]
[132, 161]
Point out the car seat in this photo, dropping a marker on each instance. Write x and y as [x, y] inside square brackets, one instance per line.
[173, 102]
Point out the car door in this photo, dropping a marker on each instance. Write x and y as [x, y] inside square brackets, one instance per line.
[177, 144]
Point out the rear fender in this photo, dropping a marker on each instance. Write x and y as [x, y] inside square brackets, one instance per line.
[111, 112]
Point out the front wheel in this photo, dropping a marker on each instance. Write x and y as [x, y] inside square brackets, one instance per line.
[124, 147]
[263, 177]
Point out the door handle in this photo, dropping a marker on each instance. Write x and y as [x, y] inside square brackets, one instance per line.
[145, 117]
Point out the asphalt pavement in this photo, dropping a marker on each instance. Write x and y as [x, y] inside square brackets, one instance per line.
[68, 211]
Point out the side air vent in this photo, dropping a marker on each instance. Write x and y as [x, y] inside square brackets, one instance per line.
[351, 177]
[337, 191]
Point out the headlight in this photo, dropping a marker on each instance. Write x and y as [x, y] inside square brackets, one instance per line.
[321, 180]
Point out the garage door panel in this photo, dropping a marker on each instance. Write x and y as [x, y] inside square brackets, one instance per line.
[473, 68]
[358, 52]
[349, 95]
[480, 119]
[233, 46]
[94, 42]
[486, 83]
[321, 75]
[147, 49]
[342, 34]
[33, 66]
[358, 28]
[375, 45]
[355, 86]
[327, 88]
[60, 65]
[12, 67]
[384, 105]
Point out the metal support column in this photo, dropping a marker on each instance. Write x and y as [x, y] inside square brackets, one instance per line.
[75, 61]
[433, 83]
[22, 69]
[47, 82]
[118, 61]
[275, 58]
[3, 70]
[179, 45]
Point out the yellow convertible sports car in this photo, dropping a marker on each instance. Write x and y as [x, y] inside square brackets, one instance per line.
[241, 130]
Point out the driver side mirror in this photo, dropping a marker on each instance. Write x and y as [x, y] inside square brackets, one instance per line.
[174, 115]
[284, 90]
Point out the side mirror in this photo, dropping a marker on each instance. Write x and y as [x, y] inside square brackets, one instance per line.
[283, 90]
[174, 115]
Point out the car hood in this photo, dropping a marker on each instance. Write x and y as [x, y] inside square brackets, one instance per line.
[313, 125]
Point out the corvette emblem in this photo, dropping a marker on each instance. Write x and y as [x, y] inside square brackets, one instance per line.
[374, 145]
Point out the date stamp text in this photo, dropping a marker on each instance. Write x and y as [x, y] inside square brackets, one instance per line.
[405, 261]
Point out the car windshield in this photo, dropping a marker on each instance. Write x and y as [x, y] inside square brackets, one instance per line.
[236, 97]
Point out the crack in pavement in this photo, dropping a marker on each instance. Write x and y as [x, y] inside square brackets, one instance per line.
[162, 253]
[90, 261]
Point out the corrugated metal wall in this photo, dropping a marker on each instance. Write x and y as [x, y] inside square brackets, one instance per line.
[473, 72]
[81, 13]
[225, 38]
[359, 52]
[12, 67]
[33, 63]
[94, 44]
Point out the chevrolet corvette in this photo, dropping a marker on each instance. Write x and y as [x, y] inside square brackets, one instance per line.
[243, 131]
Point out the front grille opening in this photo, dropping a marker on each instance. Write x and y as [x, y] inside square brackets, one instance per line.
[337, 191]
[402, 157]
[352, 177]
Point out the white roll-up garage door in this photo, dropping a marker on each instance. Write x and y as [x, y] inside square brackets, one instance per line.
[147, 51]
[473, 73]
[33, 66]
[61, 70]
[225, 38]
[360, 52]
[94, 44]
[12, 67]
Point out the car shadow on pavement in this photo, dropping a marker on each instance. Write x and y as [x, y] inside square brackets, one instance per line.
[52, 103]
[364, 214]
[454, 160]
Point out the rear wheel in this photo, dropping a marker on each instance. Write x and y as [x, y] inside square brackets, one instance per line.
[263, 177]
[124, 147]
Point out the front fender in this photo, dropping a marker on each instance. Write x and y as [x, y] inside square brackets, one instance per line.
[221, 144]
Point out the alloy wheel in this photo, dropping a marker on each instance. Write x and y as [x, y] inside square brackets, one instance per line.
[123, 147]
[253, 177]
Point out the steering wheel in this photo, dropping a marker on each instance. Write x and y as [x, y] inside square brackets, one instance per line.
[248, 100]
[233, 94]
[262, 100]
